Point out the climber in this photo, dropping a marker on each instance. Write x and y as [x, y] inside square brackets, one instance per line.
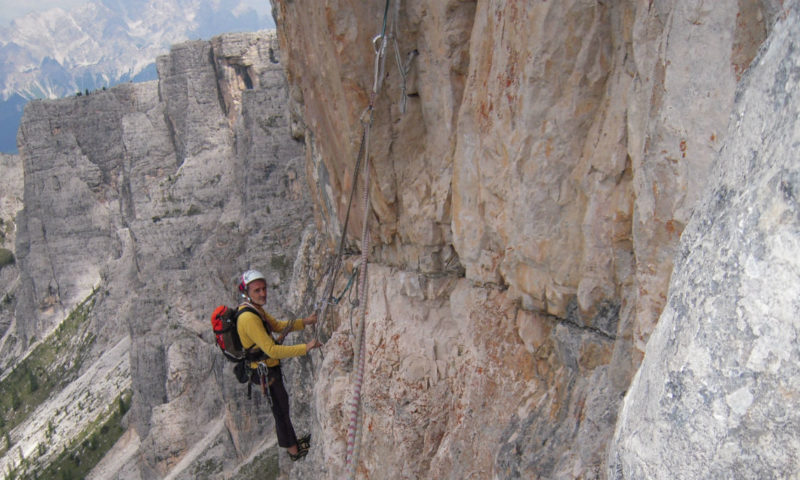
[257, 329]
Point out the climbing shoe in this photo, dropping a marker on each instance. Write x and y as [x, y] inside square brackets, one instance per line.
[301, 452]
[304, 443]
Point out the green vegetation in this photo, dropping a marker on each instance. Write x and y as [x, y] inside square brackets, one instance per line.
[6, 257]
[51, 365]
[175, 212]
[85, 451]
[263, 466]
[208, 468]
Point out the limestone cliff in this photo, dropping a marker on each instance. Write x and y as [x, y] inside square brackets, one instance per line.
[149, 199]
[537, 170]
[717, 393]
[555, 151]
[11, 185]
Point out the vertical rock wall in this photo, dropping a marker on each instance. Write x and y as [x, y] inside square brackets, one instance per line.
[556, 147]
[11, 198]
[717, 393]
[553, 153]
[11, 186]
[159, 195]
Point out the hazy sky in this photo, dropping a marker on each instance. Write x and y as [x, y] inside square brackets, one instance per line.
[11, 9]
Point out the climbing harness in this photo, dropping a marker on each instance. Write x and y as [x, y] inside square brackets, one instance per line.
[261, 372]
[262, 377]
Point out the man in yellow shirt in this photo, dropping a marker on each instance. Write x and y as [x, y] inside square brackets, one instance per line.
[255, 330]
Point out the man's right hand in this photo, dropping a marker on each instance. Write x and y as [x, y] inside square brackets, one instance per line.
[312, 345]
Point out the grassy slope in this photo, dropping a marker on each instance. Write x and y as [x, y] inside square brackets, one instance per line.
[52, 365]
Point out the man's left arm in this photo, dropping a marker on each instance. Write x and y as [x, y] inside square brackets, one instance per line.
[297, 324]
[301, 323]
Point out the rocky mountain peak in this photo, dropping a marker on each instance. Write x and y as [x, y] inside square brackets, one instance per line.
[149, 199]
[61, 52]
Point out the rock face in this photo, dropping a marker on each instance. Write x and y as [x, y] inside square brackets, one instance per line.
[11, 186]
[551, 148]
[716, 394]
[158, 195]
[534, 167]
[553, 153]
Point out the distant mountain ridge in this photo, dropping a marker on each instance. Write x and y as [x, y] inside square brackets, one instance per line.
[103, 43]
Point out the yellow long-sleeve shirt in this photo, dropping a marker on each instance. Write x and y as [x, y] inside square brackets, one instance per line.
[252, 332]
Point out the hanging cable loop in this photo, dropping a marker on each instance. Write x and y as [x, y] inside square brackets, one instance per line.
[376, 41]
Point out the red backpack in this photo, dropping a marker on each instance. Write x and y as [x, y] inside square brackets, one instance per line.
[223, 322]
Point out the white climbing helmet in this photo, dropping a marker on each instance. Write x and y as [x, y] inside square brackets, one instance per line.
[248, 277]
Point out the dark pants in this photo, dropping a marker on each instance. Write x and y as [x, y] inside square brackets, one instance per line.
[279, 401]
